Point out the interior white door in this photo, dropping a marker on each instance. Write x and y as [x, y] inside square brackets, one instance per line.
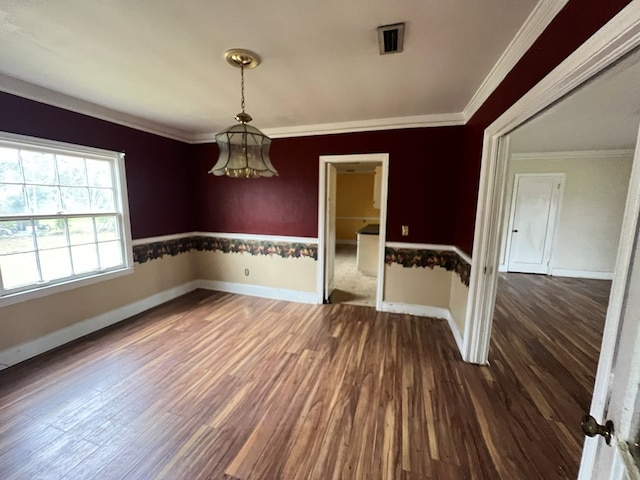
[619, 460]
[616, 396]
[330, 230]
[534, 211]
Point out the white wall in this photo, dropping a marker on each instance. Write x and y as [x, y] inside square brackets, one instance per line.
[590, 219]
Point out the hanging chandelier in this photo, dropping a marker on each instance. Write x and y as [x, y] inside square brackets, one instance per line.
[244, 150]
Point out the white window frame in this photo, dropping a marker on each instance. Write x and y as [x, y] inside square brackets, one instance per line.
[122, 209]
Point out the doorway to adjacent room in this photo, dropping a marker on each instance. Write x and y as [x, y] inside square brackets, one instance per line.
[350, 252]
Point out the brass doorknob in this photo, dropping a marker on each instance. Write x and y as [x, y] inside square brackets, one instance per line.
[591, 428]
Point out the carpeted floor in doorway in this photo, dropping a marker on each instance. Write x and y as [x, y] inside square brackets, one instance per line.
[351, 286]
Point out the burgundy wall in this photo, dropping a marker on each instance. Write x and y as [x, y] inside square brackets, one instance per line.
[423, 176]
[572, 27]
[157, 168]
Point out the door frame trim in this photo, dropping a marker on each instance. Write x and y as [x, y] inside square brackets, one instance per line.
[382, 158]
[329, 285]
[507, 248]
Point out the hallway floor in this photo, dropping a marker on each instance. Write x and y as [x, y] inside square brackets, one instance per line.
[351, 286]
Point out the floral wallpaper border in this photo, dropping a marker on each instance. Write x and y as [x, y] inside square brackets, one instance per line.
[448, 260]
[406, 257]
[154, 250]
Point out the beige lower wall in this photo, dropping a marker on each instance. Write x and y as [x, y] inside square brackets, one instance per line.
[22, 322]
[417, 286]
[30, 320]
[458, 303]
[273, 271]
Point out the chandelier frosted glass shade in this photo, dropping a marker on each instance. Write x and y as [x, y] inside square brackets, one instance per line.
[244, 153]
[244, 150]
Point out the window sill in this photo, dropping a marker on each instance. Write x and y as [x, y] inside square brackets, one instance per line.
[26, 295]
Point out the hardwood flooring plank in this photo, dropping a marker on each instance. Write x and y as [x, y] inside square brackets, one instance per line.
[54, 460]
[22, 447]
[272, 459]
[198, 456]
[363, 440]
[220, 386]
[139, 448]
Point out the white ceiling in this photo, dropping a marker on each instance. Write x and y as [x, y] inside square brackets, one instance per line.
[158, 65]
[603, 114]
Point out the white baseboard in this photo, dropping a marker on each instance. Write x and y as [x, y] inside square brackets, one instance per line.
[502, 268]
[562, 272]
[456, 333]
[259, 291]
[24, 351]
[426, 311]
[418, 310]
[19, 353]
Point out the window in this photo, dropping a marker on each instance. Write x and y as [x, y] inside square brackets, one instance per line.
[63, 216]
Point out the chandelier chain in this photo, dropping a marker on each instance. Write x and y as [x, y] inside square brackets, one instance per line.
[242, 85]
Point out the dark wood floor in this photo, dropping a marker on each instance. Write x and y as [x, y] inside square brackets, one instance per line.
[221, 386]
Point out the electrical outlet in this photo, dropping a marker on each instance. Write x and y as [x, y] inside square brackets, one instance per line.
[405, 230]
[246, 272]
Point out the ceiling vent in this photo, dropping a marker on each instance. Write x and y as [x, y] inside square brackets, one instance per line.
[391, 38]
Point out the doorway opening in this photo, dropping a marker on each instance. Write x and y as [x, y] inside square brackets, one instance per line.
[352, 215]
[552, 299]
[566, 183]
[585, 64]
[357, 231]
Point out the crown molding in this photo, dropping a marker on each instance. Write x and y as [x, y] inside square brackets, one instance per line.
[393, 123]
[44, 95]
[537, 21]
[574, 155]
[202, 138]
